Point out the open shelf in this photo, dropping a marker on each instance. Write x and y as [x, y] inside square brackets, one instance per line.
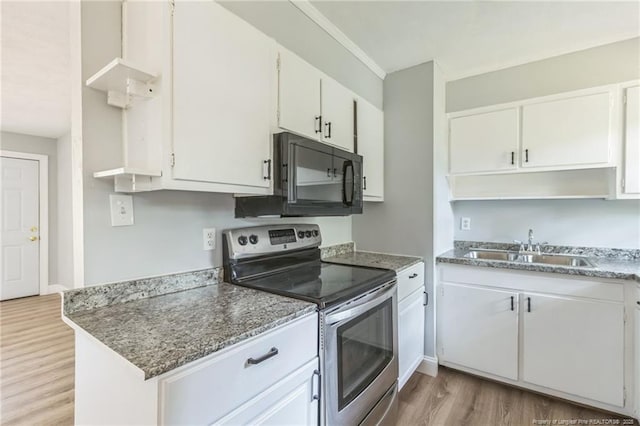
[123, 82]
[130, 179]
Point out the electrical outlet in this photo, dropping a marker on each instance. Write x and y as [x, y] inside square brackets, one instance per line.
[121, 209]
[465, 223]
[209, 238]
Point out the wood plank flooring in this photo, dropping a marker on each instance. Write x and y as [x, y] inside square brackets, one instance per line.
[37, 376]
[455, 398]
[36, 363]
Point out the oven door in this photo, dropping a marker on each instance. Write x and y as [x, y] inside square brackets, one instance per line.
[360, 356]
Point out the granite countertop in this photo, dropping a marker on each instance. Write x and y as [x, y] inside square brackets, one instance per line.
[374, 260]
[609, 263]
[158, 334]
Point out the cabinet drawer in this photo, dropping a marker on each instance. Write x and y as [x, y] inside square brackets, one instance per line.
[211, 389]
[410, 279]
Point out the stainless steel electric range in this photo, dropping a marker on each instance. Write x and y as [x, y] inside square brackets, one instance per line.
[358, 316]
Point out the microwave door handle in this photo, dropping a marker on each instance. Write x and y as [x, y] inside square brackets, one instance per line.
[347, 164]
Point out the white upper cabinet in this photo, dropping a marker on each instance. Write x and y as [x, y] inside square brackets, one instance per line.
[299, 96]
[370, 123]
[223, 77]
[337, 114]
[312, 104]
[484, 142]
[632, 141]
[567, 132]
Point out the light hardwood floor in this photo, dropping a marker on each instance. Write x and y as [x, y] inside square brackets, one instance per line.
[454, 398]
[36, 363]
[37, 375]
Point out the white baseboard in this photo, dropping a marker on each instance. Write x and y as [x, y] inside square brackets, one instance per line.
[55, 288]
[428, 366]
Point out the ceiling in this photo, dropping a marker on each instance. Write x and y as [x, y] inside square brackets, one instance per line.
[472, 37]
[35, 89]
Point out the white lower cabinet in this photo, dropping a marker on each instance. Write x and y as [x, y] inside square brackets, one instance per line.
[410, 335]
[411, 321]
[479, 329]
[562, 335]
[574, 346]
[637, 350]
[270, 379]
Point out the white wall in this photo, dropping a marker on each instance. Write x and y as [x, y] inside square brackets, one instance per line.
[64, 224]
[403, 224]
[594, 223]
[45, 146]
[167, 235]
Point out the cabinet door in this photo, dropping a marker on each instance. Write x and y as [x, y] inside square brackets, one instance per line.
[292, 401]
[632, 142]
[567, 132]
[371, 146]
[298, 96]
[337, 114]
[574, 346]
[410, 335]
[479, 329]
[637, 349]
[484, 142]
[223, 77]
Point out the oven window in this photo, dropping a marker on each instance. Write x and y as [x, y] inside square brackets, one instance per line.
[365, 348]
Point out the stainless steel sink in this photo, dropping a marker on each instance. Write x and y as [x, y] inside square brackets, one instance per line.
[492, 255]
[559, 259]
[543, 259]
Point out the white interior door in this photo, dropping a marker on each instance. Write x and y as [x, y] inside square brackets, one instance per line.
[20, 228]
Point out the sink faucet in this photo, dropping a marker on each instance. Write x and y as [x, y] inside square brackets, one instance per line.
[529, 247]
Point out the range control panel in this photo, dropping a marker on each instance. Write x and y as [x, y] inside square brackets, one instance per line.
[270, 239]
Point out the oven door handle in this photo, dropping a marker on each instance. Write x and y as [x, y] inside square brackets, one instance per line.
[360, 308]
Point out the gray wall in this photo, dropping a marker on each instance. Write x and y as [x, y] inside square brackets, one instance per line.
[167, 235]
[611, 63]
[291, 28]
[45, 146]
[403, 224]
[598, 223]
[595, 223]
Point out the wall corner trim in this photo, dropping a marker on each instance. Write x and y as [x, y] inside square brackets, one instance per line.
[428, 366]
[330, 28]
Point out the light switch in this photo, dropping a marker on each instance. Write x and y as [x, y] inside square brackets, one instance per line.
[121, 210]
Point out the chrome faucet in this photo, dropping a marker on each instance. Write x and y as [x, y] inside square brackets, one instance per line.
[530, 248]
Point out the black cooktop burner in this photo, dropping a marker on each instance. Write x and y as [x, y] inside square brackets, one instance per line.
[325, 284]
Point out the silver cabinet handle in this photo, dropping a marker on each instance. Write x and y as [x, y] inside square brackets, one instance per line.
[413, 276]
[253, 361]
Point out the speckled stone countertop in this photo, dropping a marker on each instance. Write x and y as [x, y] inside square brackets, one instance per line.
[158, 334]
[609, 263]
[374, 260]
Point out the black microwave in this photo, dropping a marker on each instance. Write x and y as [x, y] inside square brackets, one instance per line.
[310, 178]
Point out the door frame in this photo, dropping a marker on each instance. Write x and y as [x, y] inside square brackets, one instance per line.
[43, 210]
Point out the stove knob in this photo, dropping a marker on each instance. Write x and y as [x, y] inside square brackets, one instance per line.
[308, 234]
[301, 234]
[253, 239]
[315, 233]
[242, 240]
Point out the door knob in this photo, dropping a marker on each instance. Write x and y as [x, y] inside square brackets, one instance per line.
[33, 238]
[34, 228]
